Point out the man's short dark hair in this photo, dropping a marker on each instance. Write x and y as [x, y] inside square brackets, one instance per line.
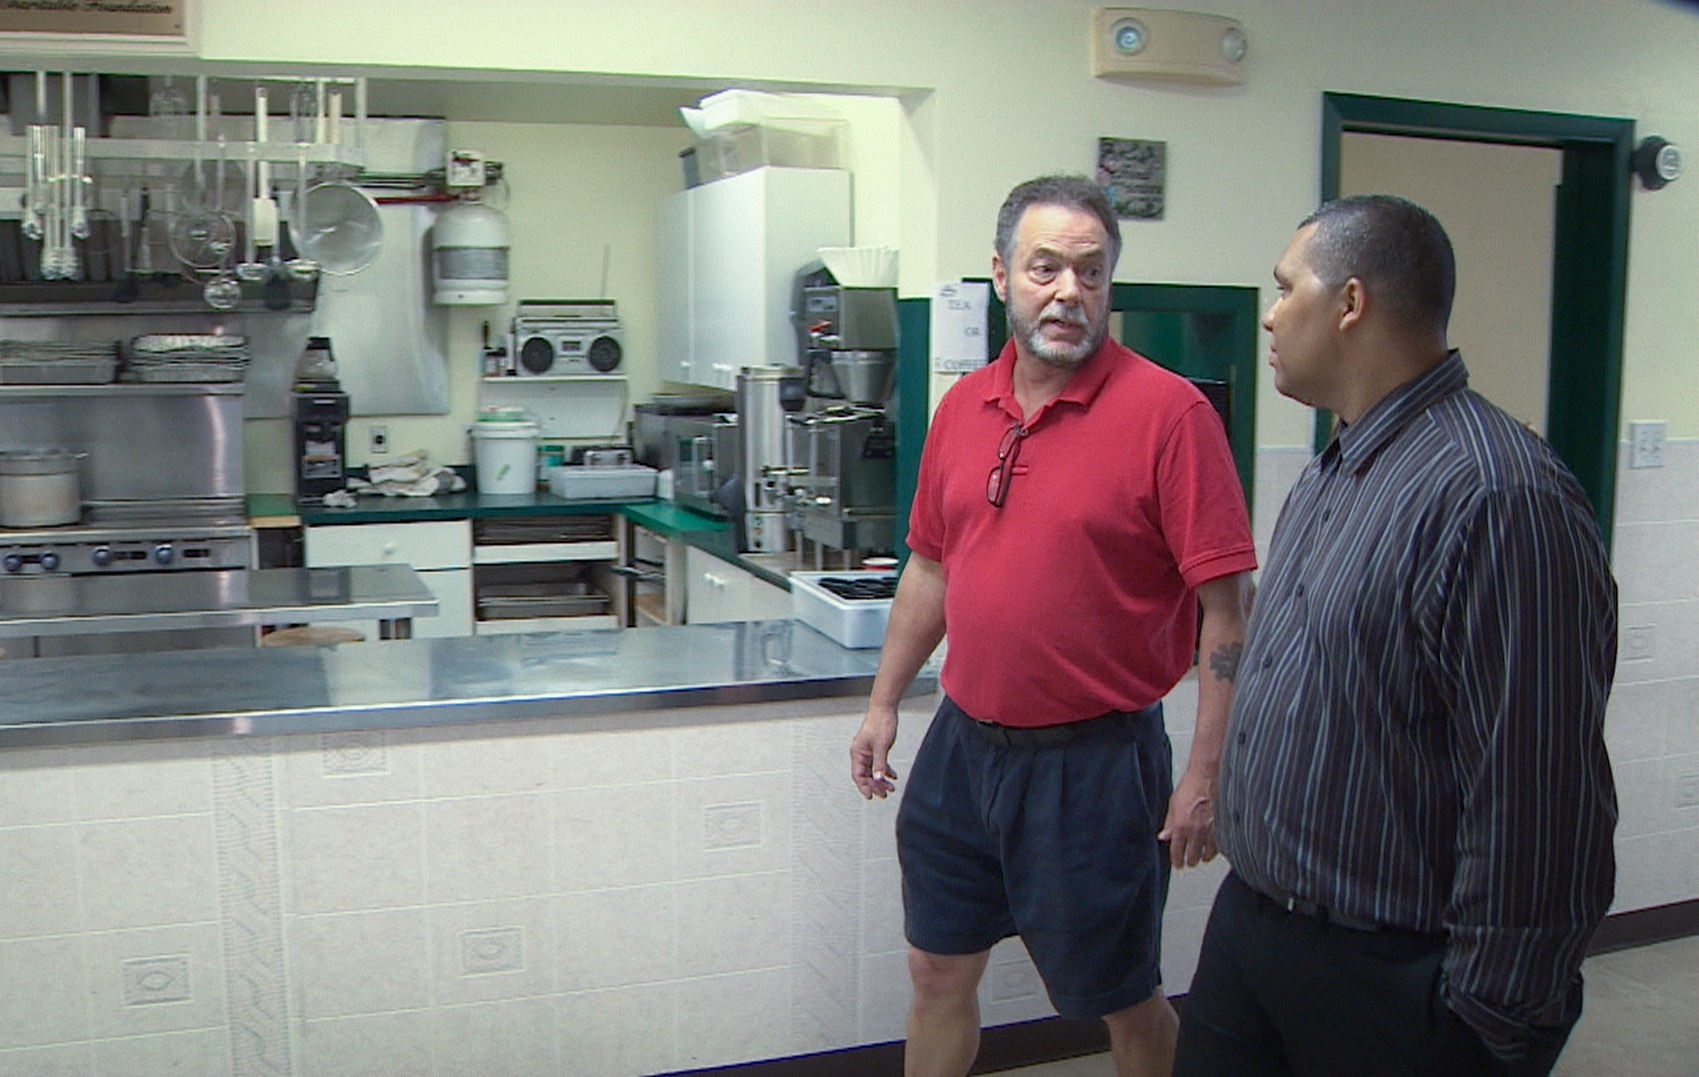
[1070, 192]
[1395, 247]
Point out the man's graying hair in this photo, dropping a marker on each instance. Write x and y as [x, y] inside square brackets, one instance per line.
[1395, 247]
[1070, 192]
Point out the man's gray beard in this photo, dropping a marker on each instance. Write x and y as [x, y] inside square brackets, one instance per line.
[1057, 355]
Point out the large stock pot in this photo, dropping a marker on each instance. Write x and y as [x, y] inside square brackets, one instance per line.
[40, 488]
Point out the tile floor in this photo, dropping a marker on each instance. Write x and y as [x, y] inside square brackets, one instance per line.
[1641, 1019]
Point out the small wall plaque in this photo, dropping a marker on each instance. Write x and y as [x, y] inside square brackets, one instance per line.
[80, 26]
[1134, 174]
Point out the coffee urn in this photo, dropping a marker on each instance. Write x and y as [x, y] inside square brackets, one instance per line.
[319, 408]
[844, 441]
[765, 397]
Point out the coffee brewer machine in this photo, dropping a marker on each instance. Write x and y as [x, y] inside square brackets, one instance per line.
[320, 410]
[843, 444]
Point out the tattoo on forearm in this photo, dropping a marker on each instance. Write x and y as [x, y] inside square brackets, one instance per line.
[1224, 663]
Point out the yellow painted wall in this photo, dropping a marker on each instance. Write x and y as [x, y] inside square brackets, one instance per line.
[998, 90]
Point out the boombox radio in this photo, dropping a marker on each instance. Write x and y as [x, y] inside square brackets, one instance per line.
[565, 338]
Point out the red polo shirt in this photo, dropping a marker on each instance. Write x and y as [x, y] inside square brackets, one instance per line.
[1076, 597]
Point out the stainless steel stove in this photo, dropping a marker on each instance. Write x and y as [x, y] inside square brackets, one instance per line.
[154, 536]
[162, 492]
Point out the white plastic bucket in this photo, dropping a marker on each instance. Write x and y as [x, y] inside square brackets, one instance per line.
[505, 454]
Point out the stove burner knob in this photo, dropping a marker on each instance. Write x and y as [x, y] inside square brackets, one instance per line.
[12, 563]
[163, 554]
[49, 561]
[101, 556]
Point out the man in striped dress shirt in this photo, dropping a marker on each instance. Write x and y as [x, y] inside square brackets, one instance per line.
[1415, 795]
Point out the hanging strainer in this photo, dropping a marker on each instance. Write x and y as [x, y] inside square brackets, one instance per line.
[341, 229]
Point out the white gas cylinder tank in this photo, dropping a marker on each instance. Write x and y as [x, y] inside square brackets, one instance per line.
[469, 256]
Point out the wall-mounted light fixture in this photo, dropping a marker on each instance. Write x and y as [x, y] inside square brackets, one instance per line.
[1656, 161]
[1183, 46]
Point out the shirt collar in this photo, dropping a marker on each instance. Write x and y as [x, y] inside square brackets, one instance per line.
[1081, 389]
[1359, 441]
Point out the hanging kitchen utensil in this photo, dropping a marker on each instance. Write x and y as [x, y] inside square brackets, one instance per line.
[202, 241]
[250, 268]
[262, 218]
[203, 235]
[143, 262]
[341, 229]
[78, 180]
[300, 267]
[35, 184]
[224, 290]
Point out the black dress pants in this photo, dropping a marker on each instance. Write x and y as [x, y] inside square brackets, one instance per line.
[1282, 994]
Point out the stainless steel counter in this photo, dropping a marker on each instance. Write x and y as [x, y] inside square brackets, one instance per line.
[236, 598]
[54, 701]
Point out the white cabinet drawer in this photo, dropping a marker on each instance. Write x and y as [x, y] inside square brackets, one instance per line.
[721, 591]
[427, 544]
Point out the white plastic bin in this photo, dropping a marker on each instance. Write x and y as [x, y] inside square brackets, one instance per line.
[584, 482]
[505, 454]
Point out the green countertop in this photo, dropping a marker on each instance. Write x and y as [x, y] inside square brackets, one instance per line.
[280, 510]
[665, 518]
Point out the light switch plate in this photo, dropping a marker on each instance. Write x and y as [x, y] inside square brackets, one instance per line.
[1687, 791]
[1638, 642]
[1646, 443]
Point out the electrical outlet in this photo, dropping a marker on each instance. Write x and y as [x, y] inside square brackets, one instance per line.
[500, 949]
[1687, 791]
[1646, 443]
[1638, 642]
[148, 980]
[380, 440]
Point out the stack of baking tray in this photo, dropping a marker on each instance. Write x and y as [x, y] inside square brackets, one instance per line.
[526, 530]
[502, 601]
[69, 362]
[542, 589]
[194, 357]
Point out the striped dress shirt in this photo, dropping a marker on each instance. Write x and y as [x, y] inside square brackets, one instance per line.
[1416, 736]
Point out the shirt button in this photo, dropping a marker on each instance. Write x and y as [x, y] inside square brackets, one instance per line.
[1300, 590]
[1325, 514]
[1241, 738]
[1267, 661]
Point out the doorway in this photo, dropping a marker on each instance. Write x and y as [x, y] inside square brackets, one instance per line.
[1497, 204]
[1589, 262]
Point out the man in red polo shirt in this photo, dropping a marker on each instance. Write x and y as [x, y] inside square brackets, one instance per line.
[1077, 504]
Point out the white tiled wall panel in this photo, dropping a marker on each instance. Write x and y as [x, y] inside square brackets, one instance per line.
[616, 895]
[1652, 726]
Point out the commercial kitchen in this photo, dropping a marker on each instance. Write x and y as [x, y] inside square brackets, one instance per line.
[623, 324]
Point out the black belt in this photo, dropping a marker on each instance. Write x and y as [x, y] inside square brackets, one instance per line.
[1005, 736]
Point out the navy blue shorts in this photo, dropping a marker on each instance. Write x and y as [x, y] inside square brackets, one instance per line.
[1055, 843]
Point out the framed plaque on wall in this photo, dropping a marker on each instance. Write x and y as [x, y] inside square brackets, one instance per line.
[107, 27]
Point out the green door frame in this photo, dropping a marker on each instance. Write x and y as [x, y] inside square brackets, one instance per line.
[1589, 258]
[1238, 304]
